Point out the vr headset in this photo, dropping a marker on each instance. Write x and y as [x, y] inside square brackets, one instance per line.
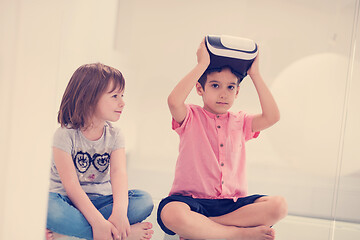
[234, 52]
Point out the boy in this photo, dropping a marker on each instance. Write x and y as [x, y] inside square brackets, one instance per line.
[208, 197]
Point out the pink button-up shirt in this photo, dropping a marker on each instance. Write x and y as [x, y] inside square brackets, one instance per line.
[211, 162]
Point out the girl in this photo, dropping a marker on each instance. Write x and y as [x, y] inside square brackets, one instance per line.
[88, 195]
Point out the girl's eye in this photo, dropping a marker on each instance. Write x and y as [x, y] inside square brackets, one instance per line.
[231, 87]
[215, 85]
[115, 96]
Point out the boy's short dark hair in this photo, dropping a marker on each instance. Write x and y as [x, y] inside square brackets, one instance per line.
[203, 78]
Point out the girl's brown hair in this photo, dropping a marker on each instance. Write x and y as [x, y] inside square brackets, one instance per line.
[83, 91]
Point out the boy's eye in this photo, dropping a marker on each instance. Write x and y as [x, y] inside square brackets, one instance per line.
[115, 96]
[215, 85]
[231, 87]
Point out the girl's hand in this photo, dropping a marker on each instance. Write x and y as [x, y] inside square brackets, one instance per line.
[105, 230]
[121, 222]
[202, 53]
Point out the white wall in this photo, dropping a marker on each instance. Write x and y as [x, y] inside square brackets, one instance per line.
[41, 44]
[305, 47]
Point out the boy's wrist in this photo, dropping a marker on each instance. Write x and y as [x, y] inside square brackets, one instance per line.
[255, 76]
[203, 65]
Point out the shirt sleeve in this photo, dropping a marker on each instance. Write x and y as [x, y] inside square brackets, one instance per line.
[247, 128]
[62, 139]
[179, 128]
[119, 141]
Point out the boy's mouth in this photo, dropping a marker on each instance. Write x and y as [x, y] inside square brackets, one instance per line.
[222, 103]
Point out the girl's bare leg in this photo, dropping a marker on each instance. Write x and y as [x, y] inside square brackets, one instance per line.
[178, 217]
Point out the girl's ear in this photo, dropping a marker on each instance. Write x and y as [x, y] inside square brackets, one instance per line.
[199, 89]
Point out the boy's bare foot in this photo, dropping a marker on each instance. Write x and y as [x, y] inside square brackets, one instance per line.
[140, 231]
[255, 233]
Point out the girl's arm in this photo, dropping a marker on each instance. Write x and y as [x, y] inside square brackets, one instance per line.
[270, 112]
[177, 97]
[102, 229]
[119, 184]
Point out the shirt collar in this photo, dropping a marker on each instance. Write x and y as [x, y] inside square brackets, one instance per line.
[216, 116]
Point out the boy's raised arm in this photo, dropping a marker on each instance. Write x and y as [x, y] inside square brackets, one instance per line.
[177, 97]
[270, 112]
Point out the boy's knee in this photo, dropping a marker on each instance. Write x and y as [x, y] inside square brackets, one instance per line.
[173, 214]
[279, 207]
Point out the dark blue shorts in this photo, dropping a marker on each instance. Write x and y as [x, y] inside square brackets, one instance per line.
[206, 207]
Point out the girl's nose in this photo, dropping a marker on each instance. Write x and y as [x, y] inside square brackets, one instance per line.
[121, 102]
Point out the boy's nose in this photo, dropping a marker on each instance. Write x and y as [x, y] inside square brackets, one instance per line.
[223, 94]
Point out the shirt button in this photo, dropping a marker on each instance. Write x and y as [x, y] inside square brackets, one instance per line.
[222, 164]
[217, 116]
[221, 145]
[218, 126]
[222, 182]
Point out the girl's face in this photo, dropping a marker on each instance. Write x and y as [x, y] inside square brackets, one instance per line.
[220, 91]
[110, 105]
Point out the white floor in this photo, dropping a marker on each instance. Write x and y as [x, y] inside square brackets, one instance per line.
[293, 228]
[290, 228]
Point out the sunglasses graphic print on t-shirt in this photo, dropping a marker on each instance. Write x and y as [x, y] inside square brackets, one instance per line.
[83, 161]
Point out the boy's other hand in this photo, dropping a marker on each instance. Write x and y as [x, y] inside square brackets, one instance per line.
[202, 53]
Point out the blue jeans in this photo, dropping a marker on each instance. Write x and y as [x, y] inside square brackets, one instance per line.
[64, 218]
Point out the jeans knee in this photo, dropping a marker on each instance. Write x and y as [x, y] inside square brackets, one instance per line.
[140, 206]
[146, 201]
[55, 211]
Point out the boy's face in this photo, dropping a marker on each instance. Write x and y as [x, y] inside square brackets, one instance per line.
[219, 92]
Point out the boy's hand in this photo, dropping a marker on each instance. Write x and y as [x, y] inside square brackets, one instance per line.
[254, 69]
[202, 53]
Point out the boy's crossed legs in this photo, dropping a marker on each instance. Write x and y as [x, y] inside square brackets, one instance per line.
[251, 219]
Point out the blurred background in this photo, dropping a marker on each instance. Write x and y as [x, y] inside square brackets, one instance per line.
[308, 57]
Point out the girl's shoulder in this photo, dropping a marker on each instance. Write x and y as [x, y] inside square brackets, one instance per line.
[115, 135]
[64, 131]
[113, 130]
[65, 134]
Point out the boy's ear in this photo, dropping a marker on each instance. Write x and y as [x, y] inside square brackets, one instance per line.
[199, 89]
[237, 91]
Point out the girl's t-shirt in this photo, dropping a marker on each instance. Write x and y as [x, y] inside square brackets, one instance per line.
[91, 158]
